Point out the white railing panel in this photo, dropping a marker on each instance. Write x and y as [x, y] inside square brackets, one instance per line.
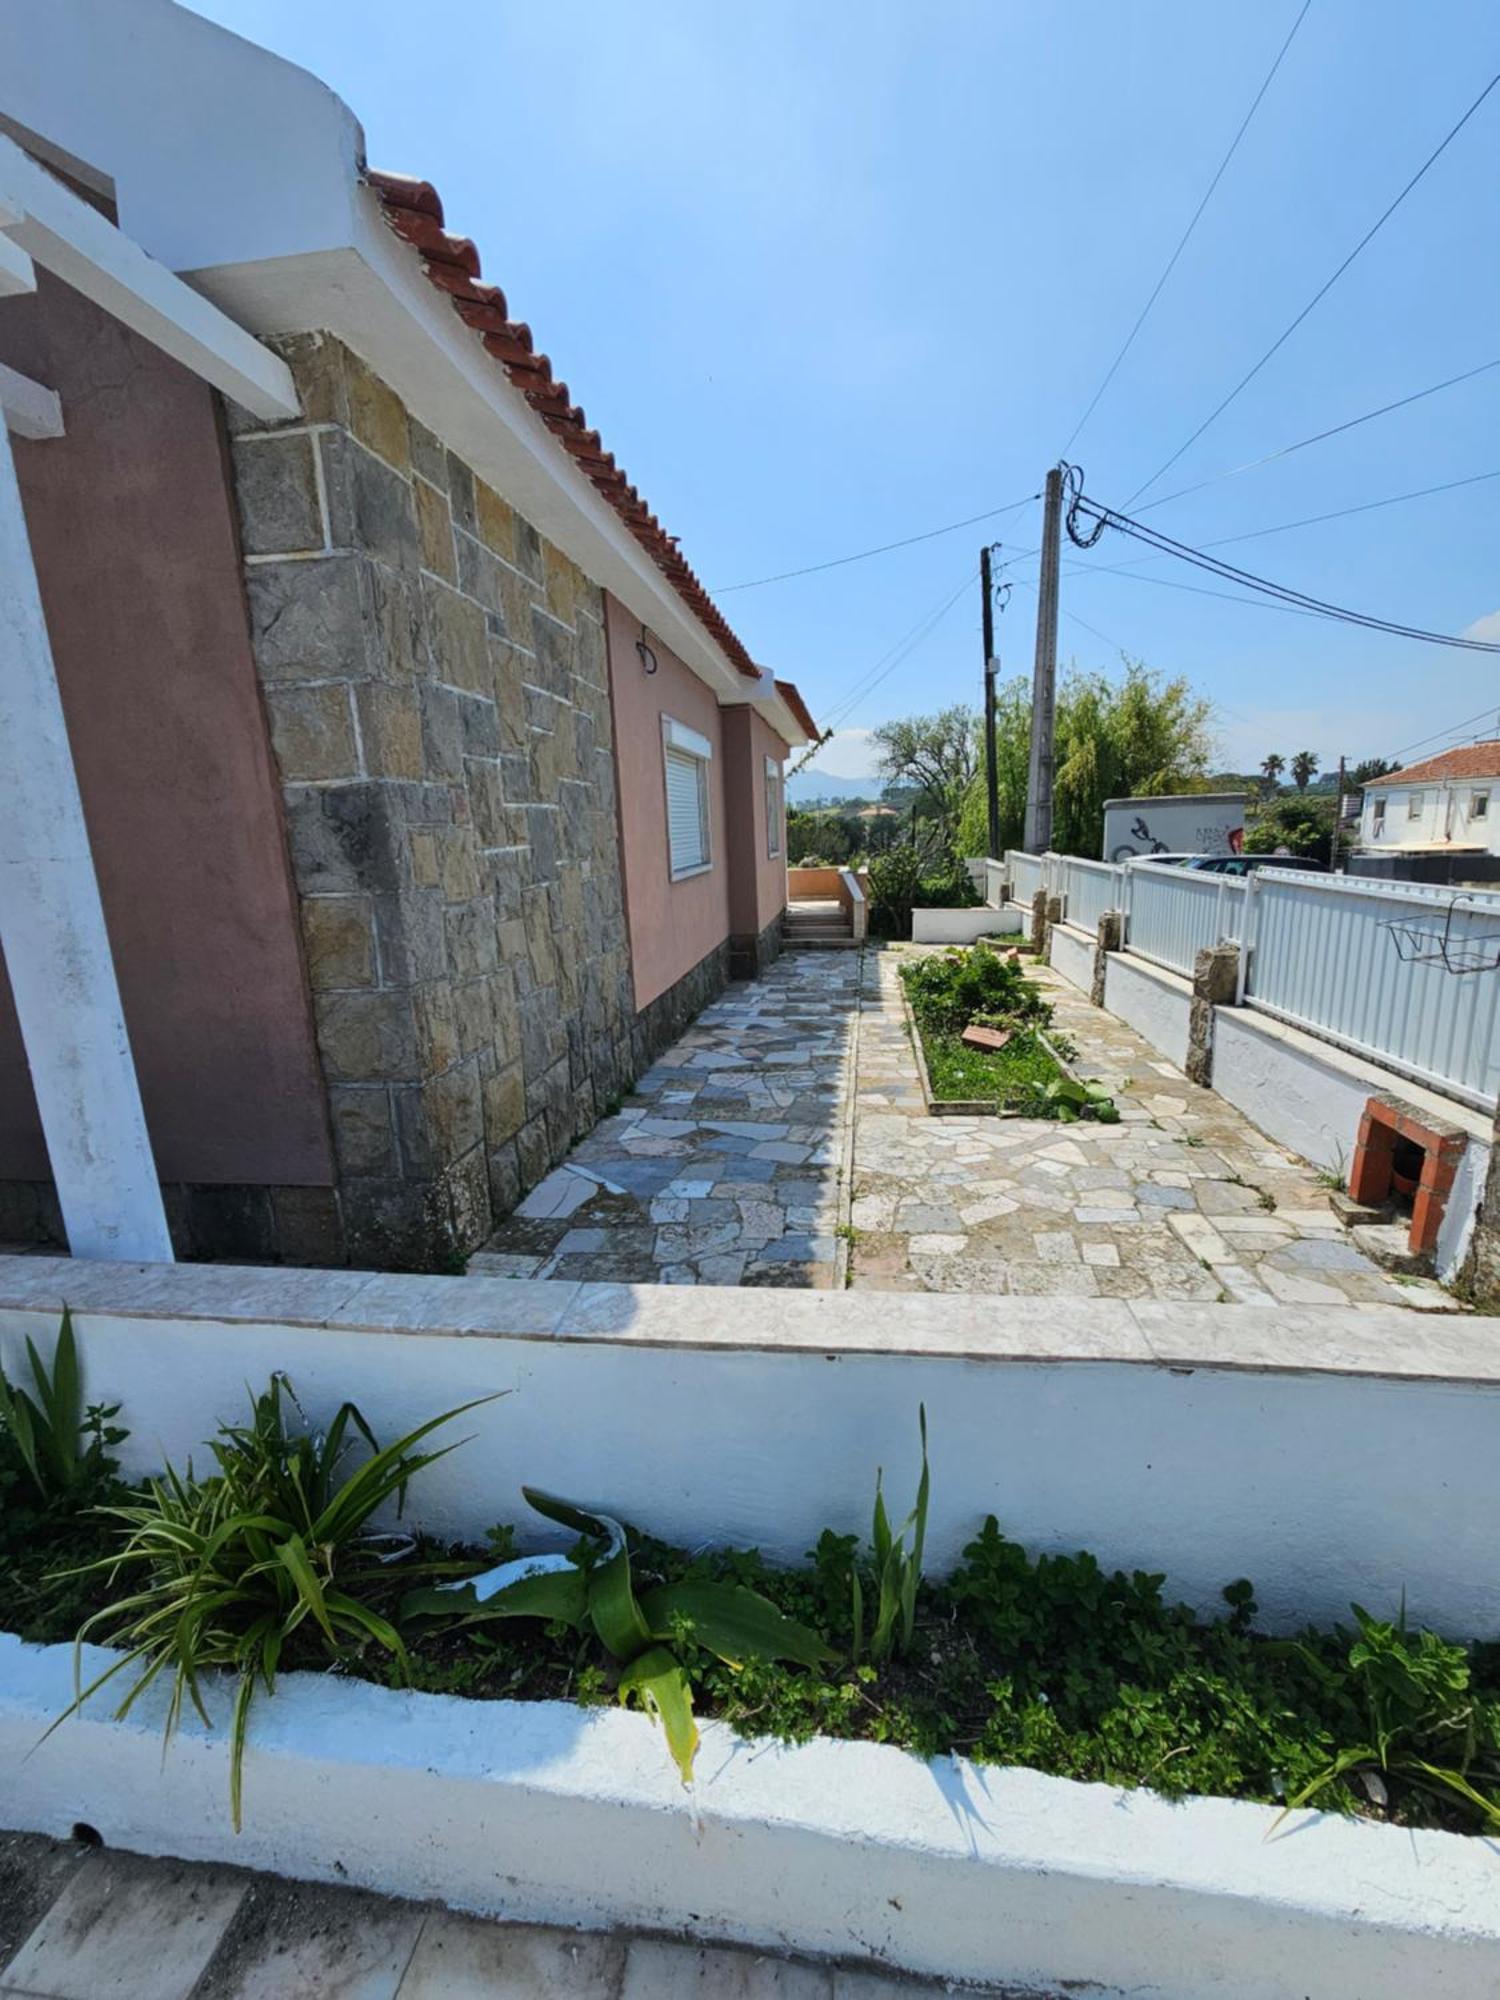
[1324, 958]
[1174, 913]
[1090, 888]
[994, 878]
[1026, 872]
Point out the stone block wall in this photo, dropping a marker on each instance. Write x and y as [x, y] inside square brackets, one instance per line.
[436, 685]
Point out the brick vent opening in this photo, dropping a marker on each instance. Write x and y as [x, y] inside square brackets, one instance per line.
[1396, 1140]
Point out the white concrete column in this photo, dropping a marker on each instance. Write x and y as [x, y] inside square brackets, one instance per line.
[55, 943]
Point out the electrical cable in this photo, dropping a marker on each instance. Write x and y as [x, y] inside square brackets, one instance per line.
[1087, 520]
[1307, 521]
[1352, 423]
[1320, 294]
[1182, 244]
[1482, 716]
[863, 555]
[894, 656]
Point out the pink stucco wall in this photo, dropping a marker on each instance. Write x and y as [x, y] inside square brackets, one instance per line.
[672, 924]
[757, 879]
[136, 551]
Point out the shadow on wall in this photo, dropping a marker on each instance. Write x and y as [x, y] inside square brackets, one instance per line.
[722, 1166]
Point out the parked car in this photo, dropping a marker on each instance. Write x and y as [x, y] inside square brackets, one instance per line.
[1247, 864]
[1167, 860]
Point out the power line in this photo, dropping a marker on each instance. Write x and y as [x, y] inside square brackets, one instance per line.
[1318, 437]
[863, 555]
[1087, 520]
[1307, 521]
[895, 655]
[1482, 716]
[1182, 244]
[1320, 294]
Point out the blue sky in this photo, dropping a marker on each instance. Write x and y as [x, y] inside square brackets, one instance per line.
[829, 276]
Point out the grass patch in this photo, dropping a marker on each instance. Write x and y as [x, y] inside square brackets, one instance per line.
[991, 1076]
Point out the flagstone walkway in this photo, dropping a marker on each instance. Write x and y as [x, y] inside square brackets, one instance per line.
[723, 1166]
[735, 1159]
[80, 1924]
[1183, 1199]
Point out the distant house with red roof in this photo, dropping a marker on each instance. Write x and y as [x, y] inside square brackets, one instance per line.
[1438, 820]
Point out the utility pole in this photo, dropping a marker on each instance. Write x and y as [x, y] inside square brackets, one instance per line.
[1044, 675]
[1337, 854]
[991, 774]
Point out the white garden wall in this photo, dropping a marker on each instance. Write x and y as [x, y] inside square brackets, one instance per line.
[1310, 1096]
[1326, 1452]
[544, 1812]
[1154, 1002]
[1072, 955]
[962, 926]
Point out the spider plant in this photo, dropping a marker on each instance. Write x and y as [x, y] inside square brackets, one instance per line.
[269, 1554]
[645, 1634]
[897, 1570]
[62, 1445]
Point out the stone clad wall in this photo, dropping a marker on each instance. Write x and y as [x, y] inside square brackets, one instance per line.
[437, 689]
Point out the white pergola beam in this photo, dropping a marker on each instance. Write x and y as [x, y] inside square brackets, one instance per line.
[29, 410]
[47, 221]
[17, 273]
[56, 946]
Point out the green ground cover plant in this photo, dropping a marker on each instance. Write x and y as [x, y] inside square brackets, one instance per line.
[952, 990]
[1017, 1075]
[277, 1559]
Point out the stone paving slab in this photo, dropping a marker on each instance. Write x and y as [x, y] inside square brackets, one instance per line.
[723, 1165]
[85, 1924]
[1183, 1200]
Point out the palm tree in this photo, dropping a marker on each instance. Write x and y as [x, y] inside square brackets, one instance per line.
[1271, 770]
[1304, 769]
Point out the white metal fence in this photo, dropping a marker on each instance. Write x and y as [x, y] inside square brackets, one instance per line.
[1171, 914]
[1323, 957]
[1026, 873]
[1320, 952]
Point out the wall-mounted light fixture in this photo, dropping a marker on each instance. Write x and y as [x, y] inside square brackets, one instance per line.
[648, 658]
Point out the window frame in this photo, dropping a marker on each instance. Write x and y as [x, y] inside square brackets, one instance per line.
[678, 740]
[1377, 816]
[774, 808]
[1479, 804]
[1416, 804]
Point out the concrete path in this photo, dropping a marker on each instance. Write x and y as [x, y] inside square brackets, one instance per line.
[88, 1924]
[1183, 1199]
[723, 1166]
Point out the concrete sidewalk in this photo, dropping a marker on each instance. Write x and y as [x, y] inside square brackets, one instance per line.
[87, 1924]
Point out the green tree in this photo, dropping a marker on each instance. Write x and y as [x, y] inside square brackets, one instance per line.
[934, 754]
[1271, 770]
[1134, 737]
[1301, 826]
[1366, 772]
[1304, 769]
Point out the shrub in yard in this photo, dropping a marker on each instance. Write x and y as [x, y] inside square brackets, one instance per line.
[951, 890]
[262, 1564]
[648, 1636]
[894, 881]
[949, 990]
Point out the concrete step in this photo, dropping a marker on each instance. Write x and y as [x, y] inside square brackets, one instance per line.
[820, 944]
[1386, 1244]
[1352, 1213]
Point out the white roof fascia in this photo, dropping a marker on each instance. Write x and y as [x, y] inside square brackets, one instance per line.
[61, 232]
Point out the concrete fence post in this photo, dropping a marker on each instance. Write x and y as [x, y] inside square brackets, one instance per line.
[1039, 921]
[1110, 937]
[1215, 979]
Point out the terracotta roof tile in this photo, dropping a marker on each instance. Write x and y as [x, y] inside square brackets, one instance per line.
[798, 707]
[1470, 760]
[413, 210]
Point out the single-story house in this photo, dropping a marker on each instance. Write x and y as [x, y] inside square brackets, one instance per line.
[384, 789]
[1436, 821]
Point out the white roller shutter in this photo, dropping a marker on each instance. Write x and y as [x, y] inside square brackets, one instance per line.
[687, 811]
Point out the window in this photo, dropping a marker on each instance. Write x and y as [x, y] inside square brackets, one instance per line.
[773, 807]
[1378, 823]
[1479, 805]
[1414, 804]
[687, 756]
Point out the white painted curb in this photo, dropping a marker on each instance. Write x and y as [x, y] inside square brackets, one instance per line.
[544, 1812]
[962, 926]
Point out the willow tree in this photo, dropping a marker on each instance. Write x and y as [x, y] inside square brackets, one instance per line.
[1137, 736]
